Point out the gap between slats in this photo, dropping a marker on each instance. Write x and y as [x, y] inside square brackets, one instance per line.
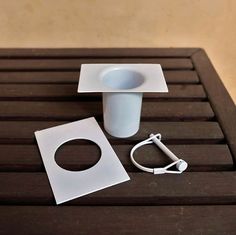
[63, 77]
[74, 64]
[143, 189]
[68, 92]
[22, 132]
[26, 158]
[72, 111]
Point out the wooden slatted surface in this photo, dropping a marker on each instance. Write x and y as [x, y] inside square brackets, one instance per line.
[29, 92]
[54, 77]
[74, 64]
[109, 220]
[20, 158]
[197, 120]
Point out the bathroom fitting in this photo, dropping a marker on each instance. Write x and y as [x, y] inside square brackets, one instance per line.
[122, 86]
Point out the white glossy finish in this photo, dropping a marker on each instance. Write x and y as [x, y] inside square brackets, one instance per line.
[121, 113]
[67, 185]
[122, 86]
[180, 164]
[121, 78]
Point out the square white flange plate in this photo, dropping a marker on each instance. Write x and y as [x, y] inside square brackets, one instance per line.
[67, 185]
[92, 77]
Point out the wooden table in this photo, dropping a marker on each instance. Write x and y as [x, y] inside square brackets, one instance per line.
[197, 120]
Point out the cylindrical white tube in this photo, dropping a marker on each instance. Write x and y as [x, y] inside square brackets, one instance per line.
[121, 113]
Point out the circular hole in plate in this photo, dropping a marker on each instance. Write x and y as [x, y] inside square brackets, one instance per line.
[78, 155]
[123, 79]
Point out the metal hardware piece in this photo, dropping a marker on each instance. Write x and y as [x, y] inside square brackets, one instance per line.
[180, 164]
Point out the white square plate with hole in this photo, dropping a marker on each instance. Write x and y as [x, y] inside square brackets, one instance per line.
[121, 77]
[67, 185]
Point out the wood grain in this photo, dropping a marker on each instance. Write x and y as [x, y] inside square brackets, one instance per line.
[13, 132]
[26, 158]
[189, 220]
[74, 64]
[57, 92]
[55, 77]
[72, 111]
[95, 52]
[221, 102]
[142, 189]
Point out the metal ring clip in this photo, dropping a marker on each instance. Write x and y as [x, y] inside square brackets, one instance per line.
[180, 164]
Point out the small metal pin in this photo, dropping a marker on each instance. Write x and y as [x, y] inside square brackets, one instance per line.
[181, 165]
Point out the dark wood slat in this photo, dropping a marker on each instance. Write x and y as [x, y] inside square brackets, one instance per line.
[199, 157]
[96, 52]
[175, 76]
[74, 64]
[172, 132]
[69, 92]
[180, 92]
[172, 111]
[177, 111]
[168, 220]
[142, 189]
[222, 103]
[181, 76]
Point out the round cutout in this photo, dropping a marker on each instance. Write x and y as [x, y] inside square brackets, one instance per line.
[78, 155]
[123, 79]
